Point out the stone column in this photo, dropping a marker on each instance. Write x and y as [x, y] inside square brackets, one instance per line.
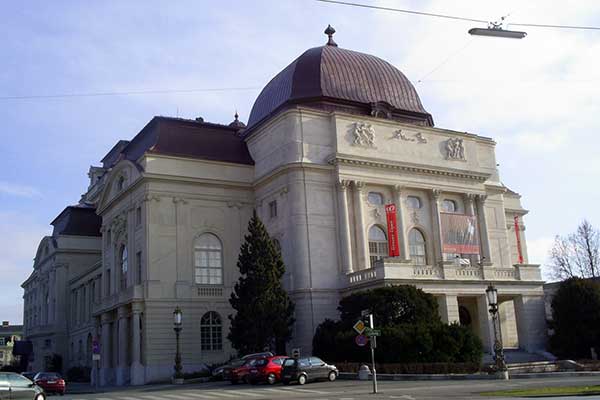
[344, 221]
[105, 350]
[531, 322]
[486, 326]
[448, 308]
[437, 226]
[362, 243]
[402, 236]
[483, 230]
[123, 337]
[137, 369]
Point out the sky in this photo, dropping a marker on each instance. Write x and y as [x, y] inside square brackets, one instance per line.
[538, 97]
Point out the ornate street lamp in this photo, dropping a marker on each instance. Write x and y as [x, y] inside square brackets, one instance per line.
[492, 298]
[178, 377]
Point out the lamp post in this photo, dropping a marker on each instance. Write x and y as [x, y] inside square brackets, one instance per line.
[178, 377]
[492, 297]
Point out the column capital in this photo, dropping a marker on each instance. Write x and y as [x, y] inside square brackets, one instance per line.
[123, 312]
[359, 185]
[343, 184]
[469, 197]
[398, 189]
[137, 308]
[436, 193]
[482, 198]
[105, 318]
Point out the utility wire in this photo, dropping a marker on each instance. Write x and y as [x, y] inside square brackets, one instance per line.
[454, 17]
[446, 60]
[347, 3]
[128, 93]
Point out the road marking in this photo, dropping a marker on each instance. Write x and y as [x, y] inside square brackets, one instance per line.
[222, 394]
[177, 397]
[247, 393]
[308, 391]
[200, 395]
[404, 396]
[146, 396]
[129, 398]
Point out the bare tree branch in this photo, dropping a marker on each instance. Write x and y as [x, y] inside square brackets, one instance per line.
[577, 255]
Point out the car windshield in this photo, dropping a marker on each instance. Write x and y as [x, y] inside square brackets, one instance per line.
[250, 362]
[47, 375]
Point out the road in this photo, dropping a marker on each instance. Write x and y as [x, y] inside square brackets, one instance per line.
[338, 390]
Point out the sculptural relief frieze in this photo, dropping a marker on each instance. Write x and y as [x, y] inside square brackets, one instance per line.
[363, 134]
[455, 149]
[417, 137]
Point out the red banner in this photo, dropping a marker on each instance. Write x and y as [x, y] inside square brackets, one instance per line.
[459, 234]
[519, 251]
[392, 227]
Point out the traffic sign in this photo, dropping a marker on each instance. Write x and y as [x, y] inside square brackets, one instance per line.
[359, 327]
[372, 332]
[95, 357]
[361, 340]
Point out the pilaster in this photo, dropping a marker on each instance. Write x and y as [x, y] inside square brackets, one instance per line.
[344, 221]
[403, 238]
[361, 234]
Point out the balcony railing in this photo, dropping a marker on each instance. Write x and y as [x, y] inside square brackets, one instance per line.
[391, 270]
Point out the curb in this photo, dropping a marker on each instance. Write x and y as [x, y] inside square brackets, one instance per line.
[458, 377]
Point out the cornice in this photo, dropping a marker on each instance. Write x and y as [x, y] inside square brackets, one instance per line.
[518, 211]
[338, 159]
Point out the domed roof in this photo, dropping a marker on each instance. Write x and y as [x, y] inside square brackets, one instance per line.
[332, 74]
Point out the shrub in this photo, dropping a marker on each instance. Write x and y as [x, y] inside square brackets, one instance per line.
[411, 331]
[576, 318]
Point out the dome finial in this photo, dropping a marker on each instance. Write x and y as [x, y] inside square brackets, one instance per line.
[329, 32]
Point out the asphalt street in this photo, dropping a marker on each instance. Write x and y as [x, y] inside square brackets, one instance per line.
[338, 390]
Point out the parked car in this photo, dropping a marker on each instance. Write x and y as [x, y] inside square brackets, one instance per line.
[15, 386]
[242, 373]
[51, 382]
[266, 369]
[225, 371]
[29, 375]
[307, 369]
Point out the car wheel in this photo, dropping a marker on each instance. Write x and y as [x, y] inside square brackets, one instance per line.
[40, 396]
[302, 379]
[271, 379]
[332, 375]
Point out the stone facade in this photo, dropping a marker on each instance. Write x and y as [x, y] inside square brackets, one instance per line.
[173, 221]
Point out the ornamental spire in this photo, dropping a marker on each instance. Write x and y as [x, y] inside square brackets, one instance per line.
[329, 32]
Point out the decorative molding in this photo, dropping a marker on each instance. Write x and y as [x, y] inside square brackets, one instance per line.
[482, 198]
[178, 200]
[455, 149]
[420, 138]
[150, 197]
[236, 204]
[119, 226]
[406, 167]
[283, 191]
[363, 134]
[436, 193]
[376, 213]
[415, 217]
[343, 184]
[360, 186]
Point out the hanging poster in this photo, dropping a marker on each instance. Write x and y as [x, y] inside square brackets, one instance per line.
[392, 227]
[459, 234]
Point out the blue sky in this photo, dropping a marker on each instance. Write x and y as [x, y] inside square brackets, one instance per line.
[536, 97]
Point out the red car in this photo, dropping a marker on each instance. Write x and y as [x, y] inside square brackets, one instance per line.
[51, 382]
[240, 374]
[266, 369]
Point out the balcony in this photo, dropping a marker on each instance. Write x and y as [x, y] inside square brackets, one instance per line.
[392, 270]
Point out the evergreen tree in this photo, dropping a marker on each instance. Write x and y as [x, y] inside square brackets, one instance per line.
[264, 311]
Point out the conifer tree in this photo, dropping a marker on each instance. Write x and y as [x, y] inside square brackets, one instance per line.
[264, 311]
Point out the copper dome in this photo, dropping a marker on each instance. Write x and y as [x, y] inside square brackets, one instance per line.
[340, 76]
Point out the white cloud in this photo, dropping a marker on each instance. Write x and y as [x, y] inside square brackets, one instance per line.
[18, 190]
[19, 238]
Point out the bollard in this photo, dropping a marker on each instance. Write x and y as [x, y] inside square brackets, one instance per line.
[364, 372]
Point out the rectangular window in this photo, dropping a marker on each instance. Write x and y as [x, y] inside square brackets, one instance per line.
[273, 209]
[138, 268]
[138, 216]
[1, 341]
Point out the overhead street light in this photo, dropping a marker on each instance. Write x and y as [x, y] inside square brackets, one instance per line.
[497, 32]
[495, 29]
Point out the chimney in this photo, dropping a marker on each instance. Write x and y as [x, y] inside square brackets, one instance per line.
[4, 323]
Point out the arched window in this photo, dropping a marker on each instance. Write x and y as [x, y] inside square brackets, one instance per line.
[378, 245]
[124, 266]
[375, 198]
[211, 332]
[208, 260]
[416, 243]
[413, 202]
[449, 206]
